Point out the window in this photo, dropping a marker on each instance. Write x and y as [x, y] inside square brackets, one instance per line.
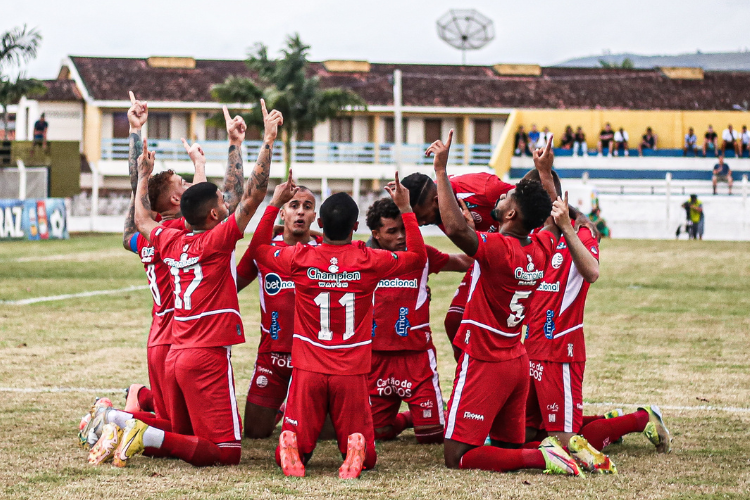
[120, 126]
[216, 133]
[341, 129]
[390, 130]
[482, 131]
[432, 130]
[158, 125]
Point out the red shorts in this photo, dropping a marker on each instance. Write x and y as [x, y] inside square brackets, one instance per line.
[489, 398]
[409, 376]
[555, 401]
[313, 395]
[157, 371]
[458, 304]
[200, 394]
[270, 381]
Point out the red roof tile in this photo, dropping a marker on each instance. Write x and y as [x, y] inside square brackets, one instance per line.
[60, 90]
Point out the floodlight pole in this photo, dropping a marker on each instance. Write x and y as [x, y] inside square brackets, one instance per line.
[398, 125]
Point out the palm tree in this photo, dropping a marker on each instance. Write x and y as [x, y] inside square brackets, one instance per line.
[11, 92]
[18, 45]
[285, 86]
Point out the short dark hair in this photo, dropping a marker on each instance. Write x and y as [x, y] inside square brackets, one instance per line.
[384, 208]
[533, 202]
[197, 201]
[419, 186]
[533, 175]
[158, 185]
[339, 214]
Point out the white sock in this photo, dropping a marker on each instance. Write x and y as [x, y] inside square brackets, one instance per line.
[153, 437]
[118, 417]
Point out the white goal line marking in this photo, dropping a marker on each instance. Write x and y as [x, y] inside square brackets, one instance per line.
[34, 300]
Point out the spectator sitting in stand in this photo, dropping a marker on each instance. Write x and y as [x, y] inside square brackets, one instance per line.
[648, 141]
[521, 142]
[601, 224]
[722, 173]
[711, 141]
[691, 143]
[579, 144]
[568, 138]
[533, 135]
[606, 137]
[730, 139]
[745, 140]
[621, 142]
[541, 142]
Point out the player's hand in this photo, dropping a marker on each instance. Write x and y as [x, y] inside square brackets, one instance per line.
[271, 122]
[146, 161]
[195, 152]
[467, 215]
[236, 127]
[284, 192]
[138, 112]
[399, 194]
[561, 213]
[544, 157]
[583, 221]
[440, 150]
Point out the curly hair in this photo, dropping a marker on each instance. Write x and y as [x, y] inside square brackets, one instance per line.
[533, 202]
[158, 186]
[383, 208]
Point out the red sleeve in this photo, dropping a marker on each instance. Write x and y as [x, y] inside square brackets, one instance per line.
[263, 234]
[436, 259]
[415, 256]
[589, 241]
[246, 267]
[494, 188]
[224, 237]
[277, 259]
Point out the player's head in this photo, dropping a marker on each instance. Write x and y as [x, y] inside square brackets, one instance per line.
[387, 226]
[203, 206]
[693, 198]
[523, 208]
[423, 198]
[533, 175]
[165, 190]
[338, 217]
[299, 212]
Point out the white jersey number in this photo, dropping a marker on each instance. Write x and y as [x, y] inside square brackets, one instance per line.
[184, 301]
[152, 285]
[323, 301]
[517, 309]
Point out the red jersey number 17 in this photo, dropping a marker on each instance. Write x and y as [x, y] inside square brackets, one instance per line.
[183, 300]
[323, 301]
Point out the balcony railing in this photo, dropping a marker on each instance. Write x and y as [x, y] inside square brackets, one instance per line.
[308, 152]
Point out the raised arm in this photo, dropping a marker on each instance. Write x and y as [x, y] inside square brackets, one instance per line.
[586, 264]
[143, 219]
[257, 184]
[195, 152]
[137, 116]
[456, 226]
[458, 262]
[416, 252]
[234, 177]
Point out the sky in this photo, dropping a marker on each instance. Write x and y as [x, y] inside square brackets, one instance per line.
[540, 32]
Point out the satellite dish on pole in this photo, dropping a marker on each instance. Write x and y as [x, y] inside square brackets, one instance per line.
[466, 29]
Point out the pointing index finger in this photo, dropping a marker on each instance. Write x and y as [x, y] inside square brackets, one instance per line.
[227, 118]
[450, 139]
[549, 145]
[132, 97]
[263, 108]
[185, 143]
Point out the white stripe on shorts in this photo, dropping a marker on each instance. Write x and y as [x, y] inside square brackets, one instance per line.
[568, 398]
[436, 385]
[456, 398]
[232, 397]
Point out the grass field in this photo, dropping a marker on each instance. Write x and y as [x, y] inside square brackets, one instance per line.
[667, 323]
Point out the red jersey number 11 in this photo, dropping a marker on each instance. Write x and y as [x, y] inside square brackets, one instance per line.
[323, 301]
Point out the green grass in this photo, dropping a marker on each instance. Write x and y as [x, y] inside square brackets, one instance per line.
[667, 323]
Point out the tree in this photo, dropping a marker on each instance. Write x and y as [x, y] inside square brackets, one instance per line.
[285, 85]
[18, 45]
[626, 63]
[11, 92]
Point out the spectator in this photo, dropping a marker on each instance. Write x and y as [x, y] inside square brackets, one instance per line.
[711, 141]
[694, 209]
[533, 135]
[601, 224]
[648, 141]
[691, 143]
[543, 138]
[621, 142]
[40, 133]
[568, 138]
[579, 143]
[606, 137]
[722, 173]
[730, 139]
[521, 142]
[745, 140]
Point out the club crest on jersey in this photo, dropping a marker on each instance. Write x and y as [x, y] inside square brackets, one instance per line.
[334, 268]
[557, 260]
[273, 284]
[274, 329]
[402, 324]
[549, 325]
[477, 218]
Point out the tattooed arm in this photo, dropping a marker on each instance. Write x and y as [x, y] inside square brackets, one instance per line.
[257, 183]
[137, 116]
[234, 176]
[143, 219]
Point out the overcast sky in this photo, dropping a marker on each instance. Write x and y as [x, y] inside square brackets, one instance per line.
[541, 31]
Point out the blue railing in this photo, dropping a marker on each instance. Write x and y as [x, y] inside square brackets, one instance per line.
[308, 152]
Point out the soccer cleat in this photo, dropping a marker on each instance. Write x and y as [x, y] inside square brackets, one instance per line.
[355, 457]
[656, 431]
[291, 464]
[613, 414]
[131, 442]
[556, 459]
[104, 449]
[131, 398]
[589, 457]
[90, 428]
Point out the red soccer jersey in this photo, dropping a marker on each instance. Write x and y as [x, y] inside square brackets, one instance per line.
[207, 312]
[505, 275]
[480, 192]
[276, 300]
[401, 315]
[160, 284]
[334, 287]
[556, 313]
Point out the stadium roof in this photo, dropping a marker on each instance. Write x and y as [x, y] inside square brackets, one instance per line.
[109, 79]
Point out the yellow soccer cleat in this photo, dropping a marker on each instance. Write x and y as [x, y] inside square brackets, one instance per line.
[131, 442]
[557, 460]
[589, 457]
[104, 449]
[656, 431]
[90, 428]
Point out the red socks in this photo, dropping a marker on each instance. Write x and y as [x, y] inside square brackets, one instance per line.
[146, 399]
[531, 445]
[587, 419]
[501, 460]
[201, 452]
[602, 432]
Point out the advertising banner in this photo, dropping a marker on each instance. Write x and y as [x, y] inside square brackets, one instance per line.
[38, 219]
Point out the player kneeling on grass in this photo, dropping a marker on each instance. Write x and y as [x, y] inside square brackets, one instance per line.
[404, 364]
[332, 344]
